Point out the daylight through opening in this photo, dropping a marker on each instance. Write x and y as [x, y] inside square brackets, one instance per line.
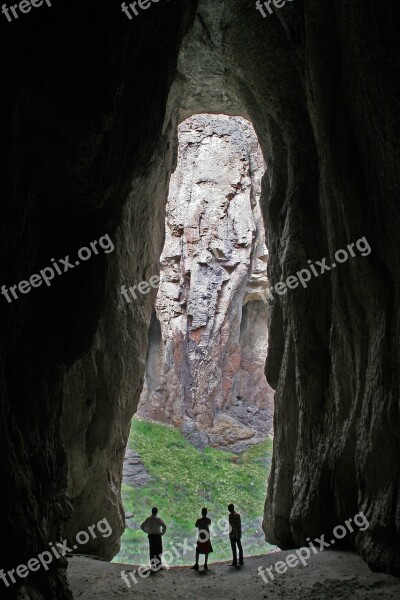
[202, 435]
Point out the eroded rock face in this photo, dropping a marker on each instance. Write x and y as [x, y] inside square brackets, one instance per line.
[134, 472]
[206, 367]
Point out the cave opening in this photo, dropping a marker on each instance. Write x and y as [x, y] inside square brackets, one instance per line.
[202, 433]
[91, 106]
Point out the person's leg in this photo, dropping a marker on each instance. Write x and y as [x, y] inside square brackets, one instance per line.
[234, 554]
[151, 547]
[239, 543]
[155, 545]
[196, 564]
[206, 562]
[159, 549]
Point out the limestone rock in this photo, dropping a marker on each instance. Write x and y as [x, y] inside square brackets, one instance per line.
[211, 310]
[134, 473]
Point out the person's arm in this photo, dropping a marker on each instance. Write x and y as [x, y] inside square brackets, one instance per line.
[239, 527]
[235, 526]
[163, 527]
[143, 526]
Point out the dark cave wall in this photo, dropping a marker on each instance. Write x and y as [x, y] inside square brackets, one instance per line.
[334, 348]
[102, 389]
[84, 108]
[318, 80]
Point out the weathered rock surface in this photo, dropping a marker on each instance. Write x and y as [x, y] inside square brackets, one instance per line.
[134, 472]
[210, 345]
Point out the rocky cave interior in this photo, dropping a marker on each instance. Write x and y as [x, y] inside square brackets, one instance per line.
[92, 107]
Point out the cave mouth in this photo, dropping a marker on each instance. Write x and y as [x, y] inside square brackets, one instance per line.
[202, 434]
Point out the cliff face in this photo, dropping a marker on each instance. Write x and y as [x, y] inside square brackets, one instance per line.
[207, 374]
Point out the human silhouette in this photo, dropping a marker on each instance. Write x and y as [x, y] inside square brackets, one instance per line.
[235, 535]
[155, 529]
[203, 539]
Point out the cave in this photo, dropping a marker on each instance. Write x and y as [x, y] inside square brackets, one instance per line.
[92, 101]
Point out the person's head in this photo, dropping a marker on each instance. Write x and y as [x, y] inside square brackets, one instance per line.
[231, 508]
[204, 512]
[154, 510]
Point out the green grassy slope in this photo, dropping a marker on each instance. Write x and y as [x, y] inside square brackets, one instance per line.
[184, 479]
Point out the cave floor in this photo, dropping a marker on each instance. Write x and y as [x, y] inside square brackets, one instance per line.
[329, 575]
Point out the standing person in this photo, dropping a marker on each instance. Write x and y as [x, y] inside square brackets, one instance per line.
[235, 535]
[155, 529]
[203, 539]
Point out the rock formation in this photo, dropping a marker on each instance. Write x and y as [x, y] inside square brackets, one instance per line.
[205, 367]
[91, 105]
[134, 473]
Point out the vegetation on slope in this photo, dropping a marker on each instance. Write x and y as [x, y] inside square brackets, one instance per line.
[184, 479]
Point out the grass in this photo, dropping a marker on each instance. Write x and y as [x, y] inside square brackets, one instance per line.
[184, 479]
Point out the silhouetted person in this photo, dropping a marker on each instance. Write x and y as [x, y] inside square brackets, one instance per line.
[203, 539]
[155, 529]
[235, 535]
